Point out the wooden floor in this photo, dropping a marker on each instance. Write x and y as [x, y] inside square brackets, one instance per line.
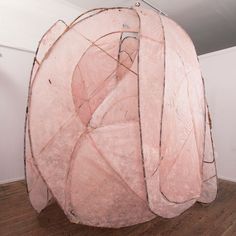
[17, 217]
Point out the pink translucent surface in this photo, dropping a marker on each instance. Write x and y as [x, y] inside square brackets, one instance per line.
[38, 191]
[117, 128]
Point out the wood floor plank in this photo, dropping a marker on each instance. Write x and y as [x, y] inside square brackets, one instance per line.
[17, 217]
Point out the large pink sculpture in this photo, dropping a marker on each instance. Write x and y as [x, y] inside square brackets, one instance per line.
[118, 129]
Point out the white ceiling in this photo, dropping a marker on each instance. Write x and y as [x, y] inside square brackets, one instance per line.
[210, 23]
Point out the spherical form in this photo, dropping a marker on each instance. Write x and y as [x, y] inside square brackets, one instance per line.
[118, 129]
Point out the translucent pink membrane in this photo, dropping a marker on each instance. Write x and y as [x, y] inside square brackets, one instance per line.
[118, 129]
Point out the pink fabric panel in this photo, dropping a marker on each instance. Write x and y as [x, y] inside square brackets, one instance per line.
[184, 109]
[209, 184]
[151, 78]
[127, 54]
[89, 87]
[151, 85]
[108, 21]
[69, 103]
[37, 188]
[53, 97]
[49, 39]
[102, 197]
[113, 121]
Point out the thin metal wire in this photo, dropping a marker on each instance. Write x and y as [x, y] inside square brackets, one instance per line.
[17, 48]
[150, 5]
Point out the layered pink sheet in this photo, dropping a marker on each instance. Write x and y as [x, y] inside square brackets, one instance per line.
[118, 129]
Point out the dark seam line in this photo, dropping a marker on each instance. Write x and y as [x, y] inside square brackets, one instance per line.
[127, 54]
[114, 104]
[68, 205]
[118, 57]
[163, 92]
[178, 203]
[95, 45]
[210, 128]
[205, 180]
[139, 116]
[102, 9]
[209, 162]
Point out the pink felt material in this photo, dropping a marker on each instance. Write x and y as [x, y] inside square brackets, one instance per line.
[39, 194]
[118, 130]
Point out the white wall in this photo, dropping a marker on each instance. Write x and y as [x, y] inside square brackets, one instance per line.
[219, 71]
[22, 24]
[15, 68]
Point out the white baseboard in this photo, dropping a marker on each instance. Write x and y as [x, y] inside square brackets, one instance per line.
[227, 179]
[5, 181]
